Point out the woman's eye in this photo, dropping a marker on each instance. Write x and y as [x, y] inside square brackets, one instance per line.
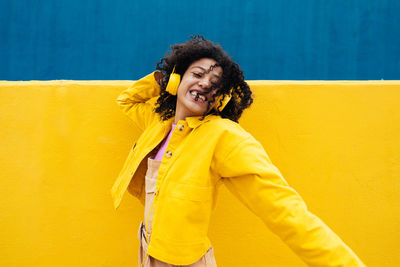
[198, 75]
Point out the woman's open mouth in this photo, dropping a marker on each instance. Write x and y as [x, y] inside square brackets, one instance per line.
[198, 96]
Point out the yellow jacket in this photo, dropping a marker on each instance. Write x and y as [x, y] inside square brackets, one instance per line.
[200, 156]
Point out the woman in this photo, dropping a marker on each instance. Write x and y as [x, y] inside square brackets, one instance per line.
[191, 143]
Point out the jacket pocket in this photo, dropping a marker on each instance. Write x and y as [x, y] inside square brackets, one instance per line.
[190, 192]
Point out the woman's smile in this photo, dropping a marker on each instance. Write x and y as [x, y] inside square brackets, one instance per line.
[198, 96]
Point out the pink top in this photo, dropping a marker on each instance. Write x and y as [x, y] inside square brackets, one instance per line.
[164, 144]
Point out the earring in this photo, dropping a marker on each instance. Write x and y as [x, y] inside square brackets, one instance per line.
[173, 82]
[222, 101]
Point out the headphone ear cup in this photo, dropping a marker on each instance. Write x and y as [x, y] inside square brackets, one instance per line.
[222, 101]
[173, 83]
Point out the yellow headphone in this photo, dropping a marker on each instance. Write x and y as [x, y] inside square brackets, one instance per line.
[223, 100]
[173, 84]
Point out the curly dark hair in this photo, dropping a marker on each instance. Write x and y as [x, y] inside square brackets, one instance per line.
[182, 56]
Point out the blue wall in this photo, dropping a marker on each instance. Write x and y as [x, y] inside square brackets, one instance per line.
[119, 40]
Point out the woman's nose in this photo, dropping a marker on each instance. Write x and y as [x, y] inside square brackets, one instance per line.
[205, 83]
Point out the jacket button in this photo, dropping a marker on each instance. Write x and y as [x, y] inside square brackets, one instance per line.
[168, 154]
[180, 127]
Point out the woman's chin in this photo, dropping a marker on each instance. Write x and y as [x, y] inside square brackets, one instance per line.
[193, 108]
[197, 108]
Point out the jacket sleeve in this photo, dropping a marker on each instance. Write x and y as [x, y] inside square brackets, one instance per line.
[249, 174]
[138, 100]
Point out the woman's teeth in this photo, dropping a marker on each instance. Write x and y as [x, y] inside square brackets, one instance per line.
[197, 95]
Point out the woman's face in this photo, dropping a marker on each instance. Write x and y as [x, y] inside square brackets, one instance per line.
[194, 89]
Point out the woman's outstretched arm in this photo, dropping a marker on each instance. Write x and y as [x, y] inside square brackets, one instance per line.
[256, 182]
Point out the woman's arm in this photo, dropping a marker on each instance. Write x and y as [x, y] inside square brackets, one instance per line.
[257, 183]
[138, 100]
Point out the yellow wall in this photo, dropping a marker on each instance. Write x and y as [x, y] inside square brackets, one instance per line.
[62, 144]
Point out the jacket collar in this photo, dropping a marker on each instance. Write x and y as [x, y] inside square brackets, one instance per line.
[194, 122]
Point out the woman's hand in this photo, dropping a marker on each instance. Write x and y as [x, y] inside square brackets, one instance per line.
[158, 75]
